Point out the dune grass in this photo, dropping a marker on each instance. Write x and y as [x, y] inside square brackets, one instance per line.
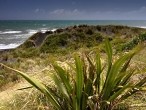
[89, 84]
[73, 39]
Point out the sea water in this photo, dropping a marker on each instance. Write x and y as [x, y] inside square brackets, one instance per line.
[15, 32]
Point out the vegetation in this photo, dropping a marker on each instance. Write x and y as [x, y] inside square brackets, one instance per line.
[36, 54]
[88, 84]
[73, 38]
[28, 100]
[135, 41]
[7, 78]
[65, 41]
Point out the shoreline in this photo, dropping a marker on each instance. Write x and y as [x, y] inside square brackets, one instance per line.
[54, 30]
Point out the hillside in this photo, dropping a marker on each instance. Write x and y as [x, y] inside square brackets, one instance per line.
[73, 38]
[77, 36]
[36, 54]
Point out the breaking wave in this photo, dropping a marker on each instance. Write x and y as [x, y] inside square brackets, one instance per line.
[8, 46]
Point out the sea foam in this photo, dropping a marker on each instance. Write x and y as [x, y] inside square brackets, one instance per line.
[43, 30]
[30, 31]
[17, 35]
[10, 32]
[143, 27]
[8, 46]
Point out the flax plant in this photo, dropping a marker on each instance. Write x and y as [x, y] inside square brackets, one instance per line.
[88, 84]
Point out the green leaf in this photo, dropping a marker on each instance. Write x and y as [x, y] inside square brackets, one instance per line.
[127, 77]
[133, 90]
[109, 51]
[114, 73]
[143, 81]
[60, 87]
[92, 67]
[79, 80]
[63, 76]
[118, 93]
[98, 72]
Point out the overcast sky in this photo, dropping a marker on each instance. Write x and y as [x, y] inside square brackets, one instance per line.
[73, 9]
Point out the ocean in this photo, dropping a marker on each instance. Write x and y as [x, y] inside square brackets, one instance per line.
[14, 32]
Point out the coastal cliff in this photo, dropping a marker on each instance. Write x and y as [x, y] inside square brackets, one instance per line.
[75, 37]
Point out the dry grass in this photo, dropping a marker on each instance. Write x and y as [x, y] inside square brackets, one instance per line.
[12, 99]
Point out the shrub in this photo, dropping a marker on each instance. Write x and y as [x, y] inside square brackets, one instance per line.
[89, 32]
[88, 85]
[135, 41]
[54, 42]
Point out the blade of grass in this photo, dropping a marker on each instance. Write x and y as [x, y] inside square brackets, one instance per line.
[98, 72]
[113, 73]
[79, 80]
[63, 76]
[118, 93]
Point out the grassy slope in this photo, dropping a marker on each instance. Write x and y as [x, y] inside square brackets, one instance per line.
[74, 38]
[35, 55]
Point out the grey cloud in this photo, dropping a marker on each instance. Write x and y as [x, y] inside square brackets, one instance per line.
[76, 14]
[65, 12]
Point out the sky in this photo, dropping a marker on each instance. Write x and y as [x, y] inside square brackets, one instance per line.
[72, 9]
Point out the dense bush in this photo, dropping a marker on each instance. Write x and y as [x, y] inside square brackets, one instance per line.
[76, 37]
[54, 42]
[135, 41]
[89, 32]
